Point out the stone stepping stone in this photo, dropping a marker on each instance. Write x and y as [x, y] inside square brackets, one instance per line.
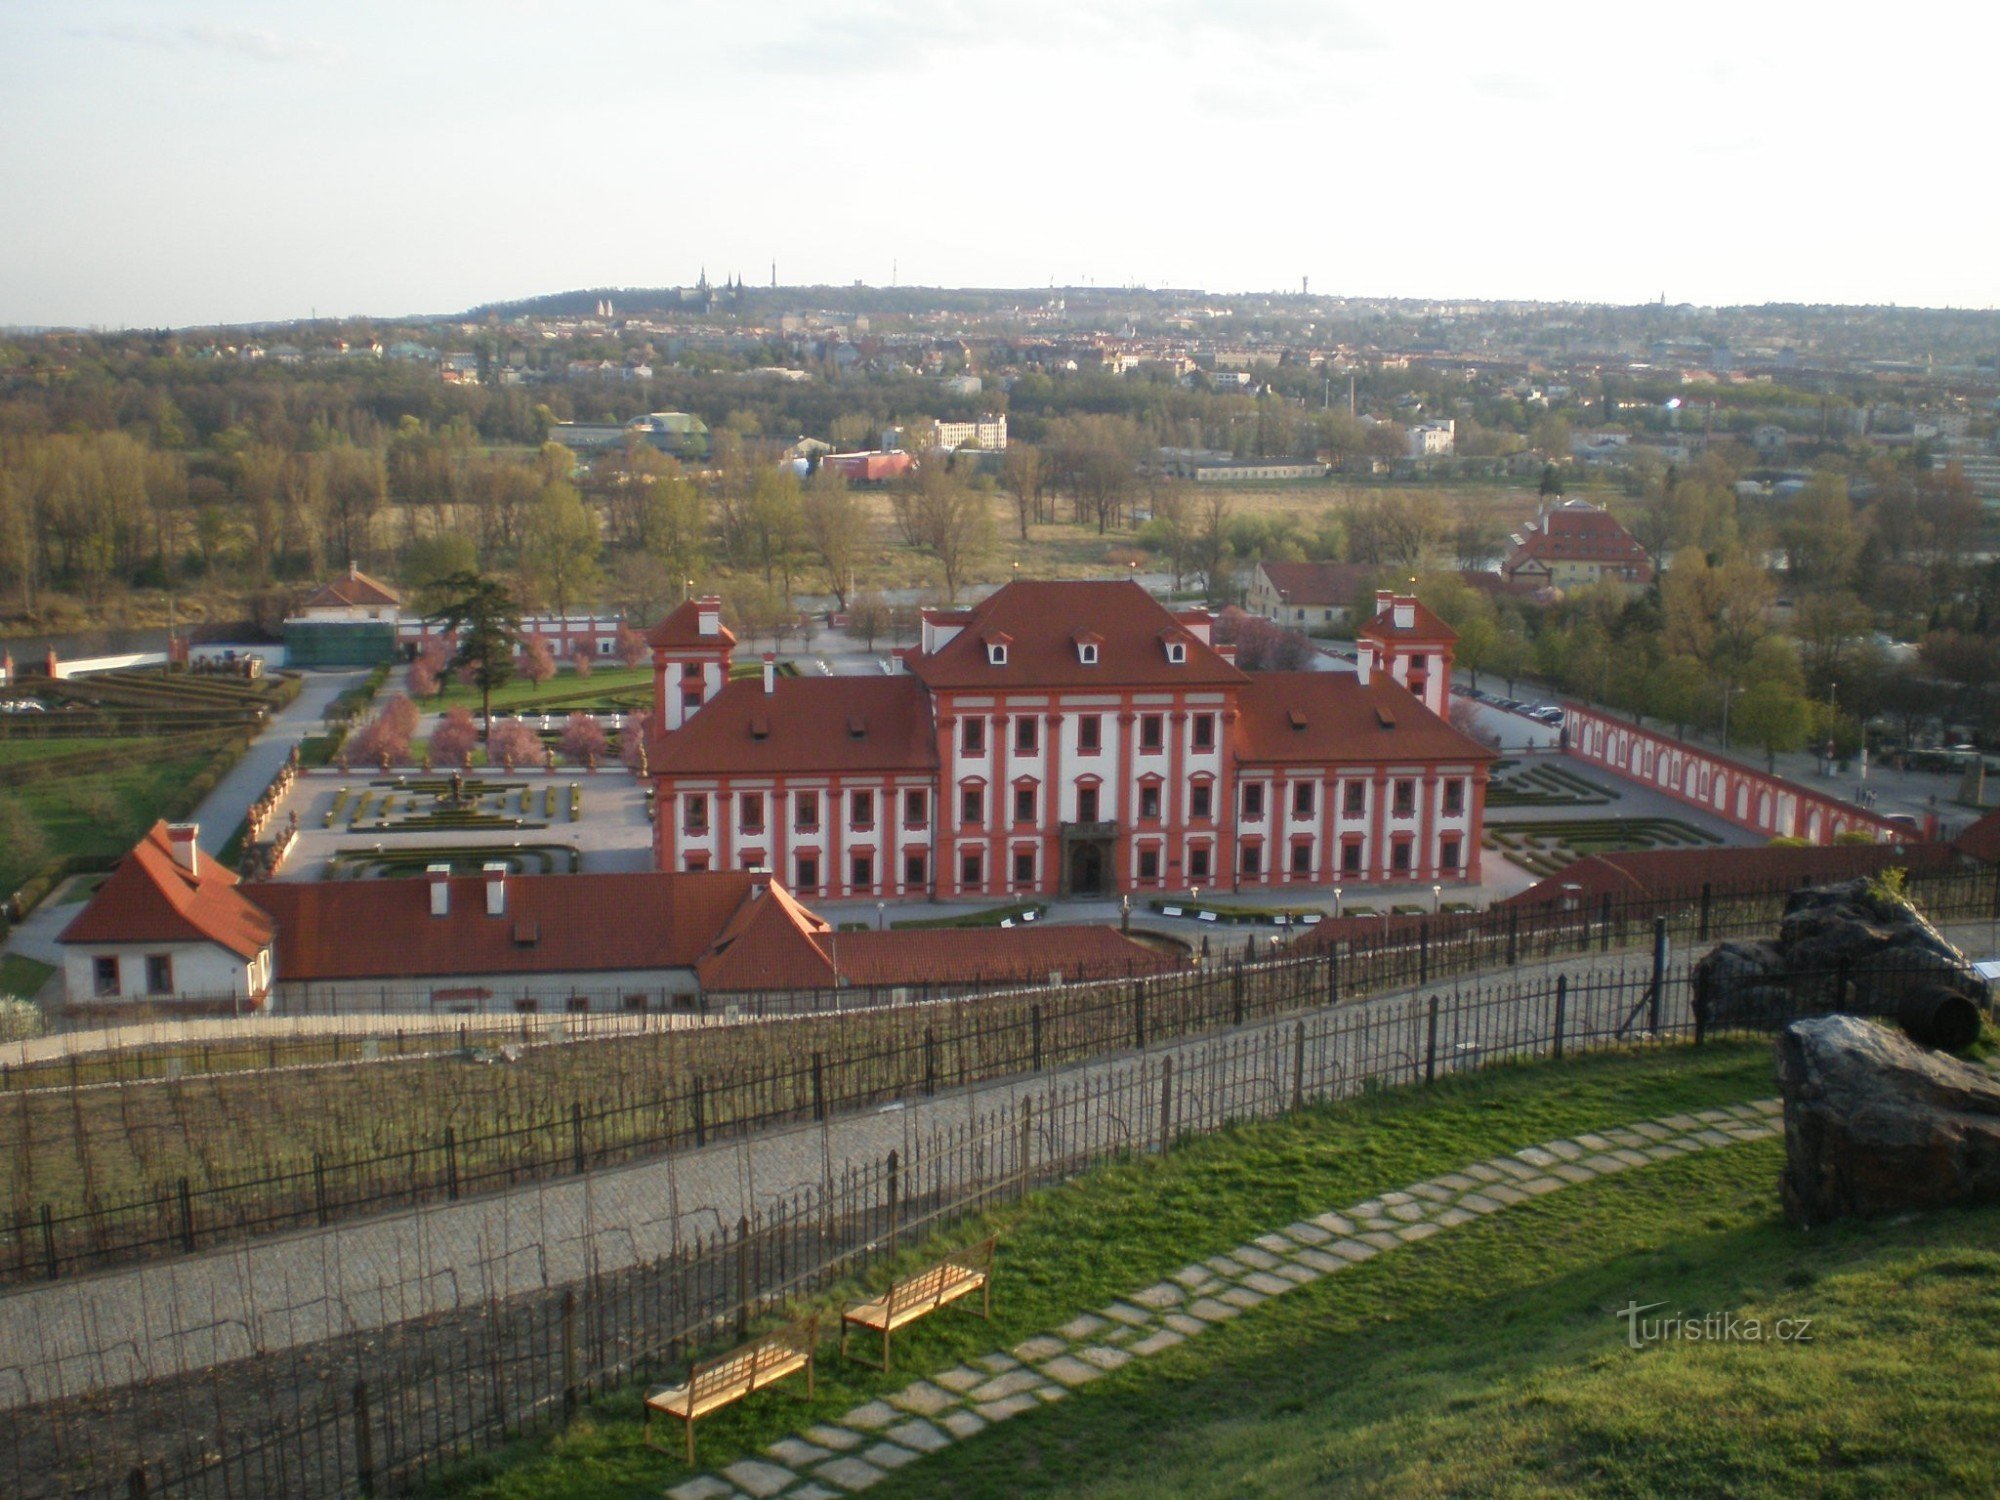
[1049, 1395]
[1296, 1274]
[1193, 1276]
[1679, 1122]
[872, 1417]
[1507, 1194]
[1541, 1185]
[1665, 1153]
[1711, 1116]
[1081, 1328]
[1210, 1310]
[1125, 1313]
[1381, 1239]
[1321, 1261]
[758, 1479]
[1354, 1251]
[927, 1400]
[1409, 1213]
[888, 1456]
[812, 1491]
[1043, 1346]
[1412, 1232]
[797, 1453]
[1001, 1410]
[1626, 1138]
[1520, 1171]
[1536, 1156]
[1458, 1182]
[1166, 1338]
[963, 1424]
[959, 1379]
[1378, 1224]
[1308, 1234]
[1185, 1323]
[1122, 1334]
[1451, 1218]
[1481, 1172]
[1268, 1284]
[1768, 1107]
[1070, 1370]
[1572, 1172]
[849, 1473]
[1567, 1150]
[1012, 1383]
[997, 1363]
[837, 1438]
[1334, 1224]
[707, 1487]
[1254, 1258]
[1480, 1203]
[1106, 1359]
[1711, 1137]
[1435, 1192]
[1222, 1265]
[1164, 1295]
[1630, 1157]
[1392, 1199]
[1593, 1143]
[1372, 1209]
[1603, 1163]
[919, 1435]
[1649, 1131]
[1238, 1296]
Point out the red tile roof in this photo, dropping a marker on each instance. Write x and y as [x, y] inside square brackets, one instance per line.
[150, 898]
[383, 929]
[1575, 532]
[1042, 619]
[1981, 840]
[356, 588]
[1318, 717]
[806, 726]
[1423, 626]
[682, 627]
[774, 943]
[1318, 584]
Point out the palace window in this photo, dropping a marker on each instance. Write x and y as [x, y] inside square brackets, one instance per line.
[1253, 801]
[971, 867]
[1357, 799]
[972, 736]
[1197, 862]
[1025, 733]
[1089, 734]
[1253, 859]
[805, 811]
[1302, 799]
[1201, 799]
[1399, 857]
[915, 807]
[1350, 858]
[914, 869]
[1448, 852]
[1302, 859]
[1204, 731]
[1024, 804]
[1405, 799]
[752, 814]
[104, 976]
[159, 974]
[972, 805]
[808, 868]
[861, 871]
[1149, 803]
[1149, 864]
[1454, 798]
[1024, 867]
[694, 812]
[1152, 729]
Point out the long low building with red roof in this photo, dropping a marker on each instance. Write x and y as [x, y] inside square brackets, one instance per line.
[171, 928]
[1067, 739]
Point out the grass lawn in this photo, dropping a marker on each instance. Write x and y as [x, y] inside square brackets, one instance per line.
[23, 976]
[527, 697]
[99, 812]
[16, 752]
[1074, 1247]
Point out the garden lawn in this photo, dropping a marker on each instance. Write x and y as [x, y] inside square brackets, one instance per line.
[23, 976]
[103, 812]
[523, 696]
[17, 752]
[1072, 1248]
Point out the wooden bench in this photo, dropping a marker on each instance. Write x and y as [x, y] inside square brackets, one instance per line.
[962, 1272]
[716, 1382]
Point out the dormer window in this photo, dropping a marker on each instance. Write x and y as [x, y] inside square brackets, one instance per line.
[996, 654]
[1177, 652]
[1086, 652]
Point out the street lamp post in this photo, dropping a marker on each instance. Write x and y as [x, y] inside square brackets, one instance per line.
[1437, 899]
[880, 910]
[1728, 695]
[1336, 903]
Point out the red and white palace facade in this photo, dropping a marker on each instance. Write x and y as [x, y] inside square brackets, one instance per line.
[1067, 739]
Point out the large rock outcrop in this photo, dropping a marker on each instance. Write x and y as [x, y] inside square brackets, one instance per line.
[1875, 1124]
[1849, 947]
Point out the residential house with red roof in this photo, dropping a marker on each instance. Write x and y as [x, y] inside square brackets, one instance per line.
[1075, 739]
[167, 922]
[1573, 543]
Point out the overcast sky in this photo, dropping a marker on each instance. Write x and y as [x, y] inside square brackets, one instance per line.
[177, 163]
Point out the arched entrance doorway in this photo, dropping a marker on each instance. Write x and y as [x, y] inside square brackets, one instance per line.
[1087, 869]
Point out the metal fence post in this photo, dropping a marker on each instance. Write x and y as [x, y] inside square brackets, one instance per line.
[319, 1186]
[1139, 1013]
[1513, 936]
[1027, 1144]
[1707, 900]
[569, 1393]
[576, 1133]
[894, 1172]
[187, 1217]
[450, 1165]
[1166, 1102]
[743, 1277]
[364, 1441]
[1424, 951]
[819, 1086]
[700, 1125]
[1604, 924]
[1333, 973]
[1431, 1043]
[1299, 1065]
[1035, 1036]
[49, 1241]
[1659, 973]
[1562, 996]
[1236, 1011]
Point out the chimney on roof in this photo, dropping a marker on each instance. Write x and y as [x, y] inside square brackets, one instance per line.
[708, 615]
[770, 673]
[496, 887]
[440, 879]
[187, 853]
[1383, 599]
[1364, 660]
[1406, 614]
[353, 569]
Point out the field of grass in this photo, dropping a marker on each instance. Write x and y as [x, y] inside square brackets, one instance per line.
[22, 976]
[103, 812]
[560, 694]
[1486, 1360]
[18, 752]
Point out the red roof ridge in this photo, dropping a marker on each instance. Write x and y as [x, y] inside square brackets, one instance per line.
[152, 897]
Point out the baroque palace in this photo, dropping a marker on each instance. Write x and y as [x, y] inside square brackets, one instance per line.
[1075, 739]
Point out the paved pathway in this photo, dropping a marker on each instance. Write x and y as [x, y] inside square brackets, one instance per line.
[858, 1450]
[222, 809]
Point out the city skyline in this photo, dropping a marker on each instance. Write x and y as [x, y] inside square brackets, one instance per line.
[222, 162]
